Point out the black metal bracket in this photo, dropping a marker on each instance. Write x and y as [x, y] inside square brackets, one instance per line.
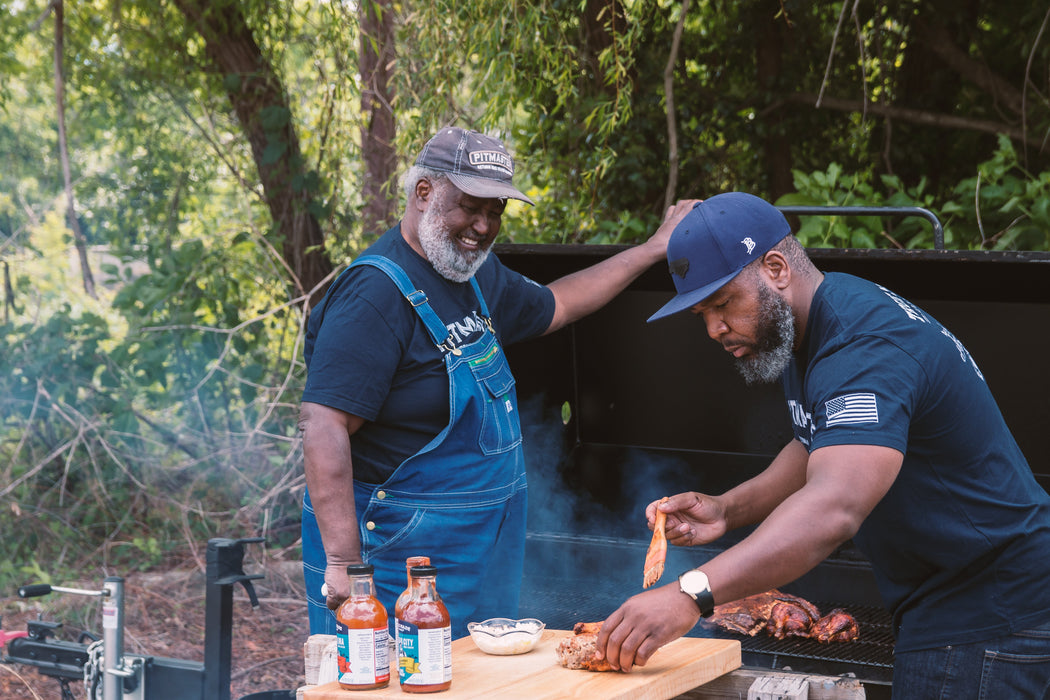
[51, 657]
[225, 561]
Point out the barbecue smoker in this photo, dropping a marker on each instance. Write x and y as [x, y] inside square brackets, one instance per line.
[618, 413]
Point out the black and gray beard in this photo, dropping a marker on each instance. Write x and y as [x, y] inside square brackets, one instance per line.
[442, 252]
[776, 335]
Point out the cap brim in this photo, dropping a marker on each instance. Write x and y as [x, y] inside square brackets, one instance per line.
[487, 189]
[689, 299]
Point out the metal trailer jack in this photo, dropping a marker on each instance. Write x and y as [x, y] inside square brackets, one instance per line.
[108, 673]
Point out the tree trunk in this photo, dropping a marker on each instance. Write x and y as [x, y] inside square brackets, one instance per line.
[63, 149]
[376, 19]
[769, 59]
[600, 22]
[671, 190]
[262, 107]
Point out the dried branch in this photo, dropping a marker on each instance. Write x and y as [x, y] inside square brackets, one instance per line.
[831, 53]
[914, 116]
[939, 41]
[1027, 79]
[672, 128]
[19, 676]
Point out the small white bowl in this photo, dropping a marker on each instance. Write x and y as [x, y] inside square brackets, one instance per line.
[503, 637]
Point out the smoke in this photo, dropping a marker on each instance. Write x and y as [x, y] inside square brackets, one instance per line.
[591, 490]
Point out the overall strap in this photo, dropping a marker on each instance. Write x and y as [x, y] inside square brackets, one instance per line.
[419, 301]
[481, 302]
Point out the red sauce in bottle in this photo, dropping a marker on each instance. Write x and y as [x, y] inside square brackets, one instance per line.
[362, 634]
[424, 636]
[407, 593]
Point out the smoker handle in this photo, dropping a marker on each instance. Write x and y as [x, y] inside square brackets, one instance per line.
[938, 229]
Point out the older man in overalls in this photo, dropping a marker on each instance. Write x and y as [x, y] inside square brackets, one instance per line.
[406, 367]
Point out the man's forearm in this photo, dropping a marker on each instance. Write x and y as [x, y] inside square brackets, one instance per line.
[336, 515]
[752, 501]
[584, 292]
[330, 480]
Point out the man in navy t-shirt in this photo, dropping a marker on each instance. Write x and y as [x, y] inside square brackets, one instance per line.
[411, 438]
[898, 444]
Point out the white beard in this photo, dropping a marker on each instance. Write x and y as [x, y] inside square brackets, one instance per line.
[777, 337]
[443, 253]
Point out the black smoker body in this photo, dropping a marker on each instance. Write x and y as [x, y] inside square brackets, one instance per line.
[655, 409]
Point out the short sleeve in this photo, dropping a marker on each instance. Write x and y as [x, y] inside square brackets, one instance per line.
[356, 352]
[864, 393]
[521, 309]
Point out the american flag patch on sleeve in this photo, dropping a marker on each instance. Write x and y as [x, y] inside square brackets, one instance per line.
[851, 409]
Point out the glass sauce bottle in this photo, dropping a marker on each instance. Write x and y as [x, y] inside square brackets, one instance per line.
[407, 593]
[423, 630]
[362, 634]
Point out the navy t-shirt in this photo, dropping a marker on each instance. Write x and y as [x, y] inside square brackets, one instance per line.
[367, 352]
[960, 543]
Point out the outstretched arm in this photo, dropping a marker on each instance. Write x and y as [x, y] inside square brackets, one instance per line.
[588, 290]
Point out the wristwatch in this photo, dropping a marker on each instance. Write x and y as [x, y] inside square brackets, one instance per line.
[695, 585]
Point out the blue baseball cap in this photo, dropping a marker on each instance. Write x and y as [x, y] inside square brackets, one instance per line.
[715, 241]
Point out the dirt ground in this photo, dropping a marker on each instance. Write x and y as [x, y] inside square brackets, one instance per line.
[164, 617]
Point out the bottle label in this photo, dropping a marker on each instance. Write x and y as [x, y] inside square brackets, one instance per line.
[363, 655]
[424, 656]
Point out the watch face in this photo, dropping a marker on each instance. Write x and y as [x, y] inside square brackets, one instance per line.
[693, 581]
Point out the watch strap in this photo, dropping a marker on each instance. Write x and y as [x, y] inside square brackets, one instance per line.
[706, 601]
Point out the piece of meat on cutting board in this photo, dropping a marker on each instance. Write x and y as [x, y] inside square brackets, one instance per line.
[580, 651]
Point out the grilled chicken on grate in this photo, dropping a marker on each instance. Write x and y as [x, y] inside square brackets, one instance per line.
[783, 615]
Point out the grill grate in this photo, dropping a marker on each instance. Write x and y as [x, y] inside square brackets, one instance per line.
[874, 646]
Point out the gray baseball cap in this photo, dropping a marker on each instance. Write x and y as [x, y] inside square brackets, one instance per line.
[477, 164]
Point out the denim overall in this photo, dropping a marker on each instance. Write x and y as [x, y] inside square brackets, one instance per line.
[461, 500]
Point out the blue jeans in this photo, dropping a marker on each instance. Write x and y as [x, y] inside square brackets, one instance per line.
[1013, 667]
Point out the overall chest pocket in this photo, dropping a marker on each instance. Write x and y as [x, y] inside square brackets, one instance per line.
[500, 427]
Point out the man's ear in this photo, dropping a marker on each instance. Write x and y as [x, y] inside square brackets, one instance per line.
[423, 191]
[776, 268]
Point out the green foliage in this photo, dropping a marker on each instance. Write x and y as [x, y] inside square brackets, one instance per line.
[834, 188]
[1003, 207]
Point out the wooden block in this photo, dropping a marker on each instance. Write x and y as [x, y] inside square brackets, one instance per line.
[779, 688]
[736, 684]
[321, 659]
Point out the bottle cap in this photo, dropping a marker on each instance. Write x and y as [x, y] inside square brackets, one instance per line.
[360, 570]
[423, 571]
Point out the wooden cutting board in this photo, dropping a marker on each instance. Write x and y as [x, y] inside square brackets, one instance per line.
[677, 667]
